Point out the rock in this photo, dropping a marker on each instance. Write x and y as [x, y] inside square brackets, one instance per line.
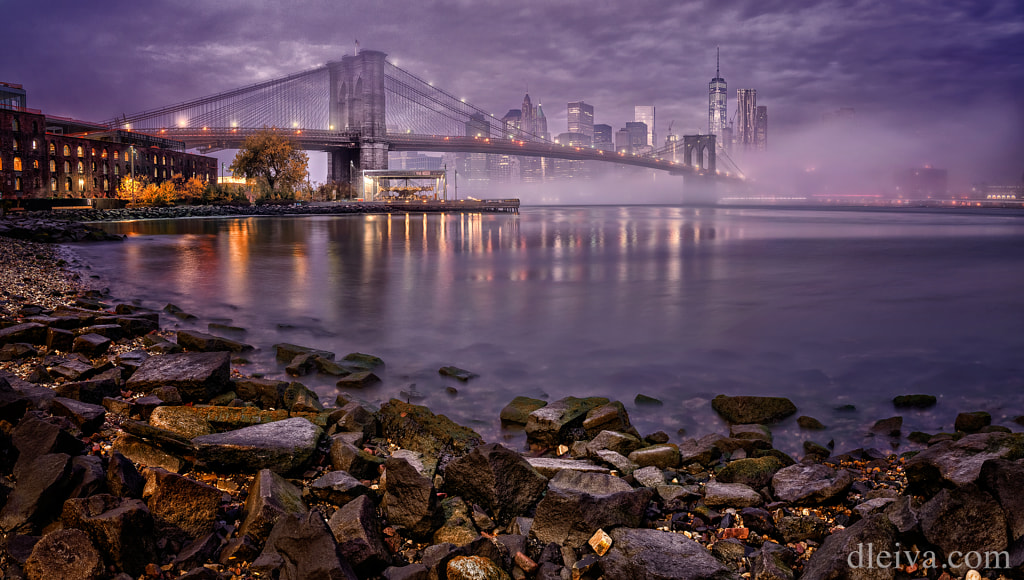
[769, 563]
[611, 416]
[298, 398]
[89, 418]
[749, 409]
[578, 504]
[621, 443]
[202, 342]
[180, 420]
[270, 498]
[92, 391]
[415, 427]
[663, 456]
[811, 424]
[815, 451]
[890, 427]
[800, 528]
[964, 519]
[132, 360]
[656, 438]
[409, 499]
[702, 451]
[902, 513]
[122, 478]
[358, 463]
[12, 403]
[972, 422]
[287, 352]
[1002, 478]
[197, 376]
[549, 466]
[149, 455]
[196, 553]
[64, 554]
[302, 547]
[649, 476]
[657, 555]
[518, 411]
[302, 365]
[281, 446]
[866, 508]
[181, 502]
[37, 498]
[642, 399]
[758, 520]
[959, 462]
[561, 421]
[844, 555]
[458, 528]
[121, 529]
[455, 372]
[159, 345]
[410, 572]
[337, 487]
[59, 340]
[28, 332]
[357, 532]
[168, 440]
[267, 393]
[914, 401]
[752, 431]
[17, 351]
[35, 436]
[354, 417]
[74, 370]
[754, 472]
[87, 476]
[113, 332]
[803, 483]
[474, 568]
[734, 495]
[91, 345]
[364, 360]
[496, 478]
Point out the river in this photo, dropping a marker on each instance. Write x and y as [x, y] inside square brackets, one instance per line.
[825, 307]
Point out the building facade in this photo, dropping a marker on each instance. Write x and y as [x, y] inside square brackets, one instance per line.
[581, 119]
[37, 161]
[746, 117]
[761, 128]
[603, 137]
[645, 114]
[717, 103]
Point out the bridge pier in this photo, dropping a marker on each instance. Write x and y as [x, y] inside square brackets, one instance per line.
[346, 164]
[358, 104]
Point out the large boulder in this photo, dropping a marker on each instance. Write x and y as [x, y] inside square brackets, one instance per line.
[64, 554]
[121, 529]
[181, 420]
[560, 421]
[281, 446]
[416, 427]
[750, 409]
[409, 499]
[755, 472]
[270, 498]
[198, 376]
[357, 531]
[1002, 479]
[180, 503]
[27, 332]
[810, 483]
[36, 499]
[577, 504]
[965, 519]
[496, 478]
[736, 495]
[958, 463]
[657, 555]
[845, 555]
[518, 410]
[203, 342]
[301, 547]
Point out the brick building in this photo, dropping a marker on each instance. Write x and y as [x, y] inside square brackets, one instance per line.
[52, 157]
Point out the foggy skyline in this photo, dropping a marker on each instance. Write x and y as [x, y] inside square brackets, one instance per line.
[948, 79]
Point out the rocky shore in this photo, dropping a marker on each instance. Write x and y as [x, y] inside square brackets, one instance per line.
[130, 451]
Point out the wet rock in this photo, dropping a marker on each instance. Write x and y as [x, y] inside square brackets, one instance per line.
[972, 422]
[914, 401]
[349, 458]
[197, 376]
[657, 555]
[458, 528]
[800, 528]
[964, 519]
[702, 451]
[358, 534]
[281, 446]
[959, 462]
[649, 476]
[616, 460]
[415, 427]
[181, 502]
[769, 563]
[267, 393]
[642, 399]
[810, 483]
[180, 420]
[549, 466]
[160, 345]
[354, 417]
[302, 547]
[202, 342]
[36, 499]
[92, 391]
[474, 568]
[816, 452]
[734, 495]
[89, 418]
[121, 529]
[358, 380]
[148, 454]
[270, 498]
[890, 427]
[28, 332]
[17, 351]
[287, 352]
[611, 416]
[122, 478]
[409, 499]
[498, 479]
[663, 456]
[91, 345]
[59, 340]
[809, 423]
[457, 373]
[560, 421]
[753, 432]
[337, 487]
[12, 403]
[38, 435]
[844, 553]
[64, 554]
[750, 409]
[368, 361]
[754, 472]
[298, 398]
[578, 504]
[1002, 478]
[518, 411]
[302, 365]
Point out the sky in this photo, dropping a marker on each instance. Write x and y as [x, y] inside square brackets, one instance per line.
[936, 82]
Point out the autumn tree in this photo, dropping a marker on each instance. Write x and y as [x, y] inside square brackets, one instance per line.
[130, 188]
[271, 156]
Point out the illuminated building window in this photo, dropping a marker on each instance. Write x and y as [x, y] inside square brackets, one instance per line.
[35, 145]
[155, 173]
[105, 169]
[80, 151]
[53, 184]
[67, 150]
[94, 167]
[35, 164]
[67, 184]
[163, 160]
[17, 184]
[104, 154]
[14, 124]
[17, 163]
[53, 148]
[93, 152]
[117, 170]
[81, 167]
[115, 154]
[106, 184]
[15, 144]
[1, 163]
[67, 167]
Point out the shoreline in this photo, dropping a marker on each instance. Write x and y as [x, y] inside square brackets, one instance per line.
[405, 468]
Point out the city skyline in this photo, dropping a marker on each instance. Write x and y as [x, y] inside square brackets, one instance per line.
[901, 68]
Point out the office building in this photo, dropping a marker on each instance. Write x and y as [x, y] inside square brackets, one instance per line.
[581, 119]
[622, 141]
[761, 128]
[717, 103]
[638, 134]
[746, 118]
[603, 137]
[645, 114]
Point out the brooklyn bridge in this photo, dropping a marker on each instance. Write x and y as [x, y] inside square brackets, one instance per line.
[361, 107]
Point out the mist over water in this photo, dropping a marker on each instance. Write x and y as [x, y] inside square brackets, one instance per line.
[825, 307]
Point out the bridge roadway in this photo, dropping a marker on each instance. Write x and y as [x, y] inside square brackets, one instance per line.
[209, 138]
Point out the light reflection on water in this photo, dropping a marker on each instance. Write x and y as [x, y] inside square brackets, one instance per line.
[678, 303]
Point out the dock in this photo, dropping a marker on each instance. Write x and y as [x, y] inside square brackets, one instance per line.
[440, 205]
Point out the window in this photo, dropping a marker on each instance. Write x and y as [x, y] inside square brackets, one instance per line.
[15, 144]
[53, 166]
[115, 154]
[94, 167]
[17, 184]
[104, 154]
[81, 167]
[35, 145]
[106, 184]
[67, 151]
[17, 163]
[14, 124]
[67, 167]
[81, 184]
[53, 184]
[80, 151]
[53, 148]
[35, 127]
[93, 152]
[104, 168]
[35, 164]
[1, 163]
[155, 173]
[163, 160]
[117, 170]
[67, 184]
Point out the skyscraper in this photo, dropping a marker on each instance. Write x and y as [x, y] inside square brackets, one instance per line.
[581, 118]
[746, 118]
[603, 137]
[761, 129]
[717, 103]
[638, 133]
[645, 114]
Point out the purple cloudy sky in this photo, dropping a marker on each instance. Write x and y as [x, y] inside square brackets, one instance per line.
[949, 73]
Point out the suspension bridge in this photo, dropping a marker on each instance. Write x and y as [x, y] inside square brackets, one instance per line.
[361, 107]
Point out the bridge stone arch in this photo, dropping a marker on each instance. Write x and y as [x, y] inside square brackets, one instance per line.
[699, 151]
[357, 104]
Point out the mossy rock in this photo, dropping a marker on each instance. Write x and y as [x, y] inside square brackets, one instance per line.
[809, 423]
[751, 409]
[365, 360]
[754, 472]
[914, 401]
[416, 427]
[519, 409]
[781, 456]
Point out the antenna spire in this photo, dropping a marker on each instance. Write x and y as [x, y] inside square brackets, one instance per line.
[718, 61]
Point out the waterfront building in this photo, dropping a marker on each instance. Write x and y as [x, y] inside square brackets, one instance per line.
[645, 114]
[581, 119]
[603, 137]
[44, 156]
[746, 118]
[717, 103]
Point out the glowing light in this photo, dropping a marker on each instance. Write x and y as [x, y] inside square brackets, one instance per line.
[183, 123]
[234, 123]
[295, 124]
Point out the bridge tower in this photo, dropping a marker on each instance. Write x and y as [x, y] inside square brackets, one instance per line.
[357, 104]
[699, 152]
